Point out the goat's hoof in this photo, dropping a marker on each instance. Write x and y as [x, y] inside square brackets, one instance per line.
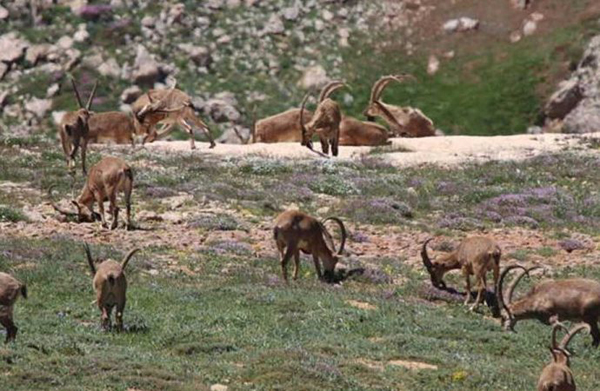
[212, 146]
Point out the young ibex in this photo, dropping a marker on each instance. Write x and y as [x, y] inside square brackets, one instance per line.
[280, 128]
[403, 121]
[110, 286]
[73, 129]
[557, 376]
[106, 178]
[113, 126]
[549, 301]
[10, 289]
[474, 256]
[325, 121]
[295, 231]
[168, 106]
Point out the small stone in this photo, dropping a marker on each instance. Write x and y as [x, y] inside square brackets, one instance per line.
[65, 42]
[433, 65]
[218, 387]
[3, 13]
[529, 28]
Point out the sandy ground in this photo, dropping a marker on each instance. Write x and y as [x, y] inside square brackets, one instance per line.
[449, 150]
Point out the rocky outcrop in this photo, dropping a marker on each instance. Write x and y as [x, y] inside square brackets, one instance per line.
[575, 107]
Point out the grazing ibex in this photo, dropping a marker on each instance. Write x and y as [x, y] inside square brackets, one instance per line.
[110, 286]
[403, 121]
[113, 126]
[295, 231]
[473, 256]
[168, 106]
[557, 376]
[73, 129]
[549, 301]
[106, 178]
[10, 289]
[280, 128]
[325, 121]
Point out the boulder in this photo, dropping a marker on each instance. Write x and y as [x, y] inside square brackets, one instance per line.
[200, 55]
[110, 68]
[12, 48]
[38, 107]
[3, 13]
[563, 101]
[314, 76]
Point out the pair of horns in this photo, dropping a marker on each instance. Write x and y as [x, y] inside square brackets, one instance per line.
[383, 82]
[429, 266]
[90, 259]
[511, 288]
[88, 105]
[328, 238]
[564, 343]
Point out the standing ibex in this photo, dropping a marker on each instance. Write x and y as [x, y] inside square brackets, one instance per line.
[557, 376]
[325, 121]
[295, 231]
[110, 285]
[403, 121]
[549, 301]
[73, 129]
[106, 178]
[474, 256]
[10, 289]
[168, 106]
[113, 126]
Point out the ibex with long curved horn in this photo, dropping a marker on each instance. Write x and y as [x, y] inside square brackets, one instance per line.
[10, 289]
[473, 256]
[403, 121]
[110, 285]
[280, 128]
[296, 231]
[168, 106]
[74, 130]
[106, 179]
[325, 121]
[549, 301]
[558, 376]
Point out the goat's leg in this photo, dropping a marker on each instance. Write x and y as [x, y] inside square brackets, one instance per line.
[296, 264]
[119, 315]
[83, 154]
[291, 250]
[594, 331]
[66, 145]
[467, 286]
[112, 207]
[11, 329]
[100, 201]
[335, 146]
[190, 130]
[105, 318]
[317, 267]
[324, 144]
[128, 190]
[482, 284]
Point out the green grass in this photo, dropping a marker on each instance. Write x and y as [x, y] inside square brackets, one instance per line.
[239, 329]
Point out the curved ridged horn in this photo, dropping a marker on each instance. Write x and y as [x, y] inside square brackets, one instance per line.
[380, 85]
[425, 257]
[329, 89]
[128, 257]
[302, 126]
[515, 282]
[88, 105]
[342, 229]
[56, 207]
[76, 91]
[555, 329]
[90, 260]
[564, 344]
[499, 289]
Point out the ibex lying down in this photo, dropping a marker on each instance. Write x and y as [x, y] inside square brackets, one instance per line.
[403, 121]
[325, 121]
[574, 299]
[10, 289]
[280, 128]
[106, 178]
[359, 133]
[474, 256]
[110, 286]
[73, 129]
[557, 376]
[296, 231]
[169, 106]
[113, 126]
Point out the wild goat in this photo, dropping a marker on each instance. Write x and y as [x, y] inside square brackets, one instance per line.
[108, 177]
[359, 133]
[10, 289]
[549, 301]
[295, 231]
[73, 129]
[474, 256]
[168, 106]
[403, 121]
[113, 126]
[280, 128]
[557, 376]
[325, 121]
[110, 285]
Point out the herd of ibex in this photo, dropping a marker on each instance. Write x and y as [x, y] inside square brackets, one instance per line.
[550, 301]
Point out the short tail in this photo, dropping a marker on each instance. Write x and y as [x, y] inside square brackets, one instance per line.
[24, 291]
